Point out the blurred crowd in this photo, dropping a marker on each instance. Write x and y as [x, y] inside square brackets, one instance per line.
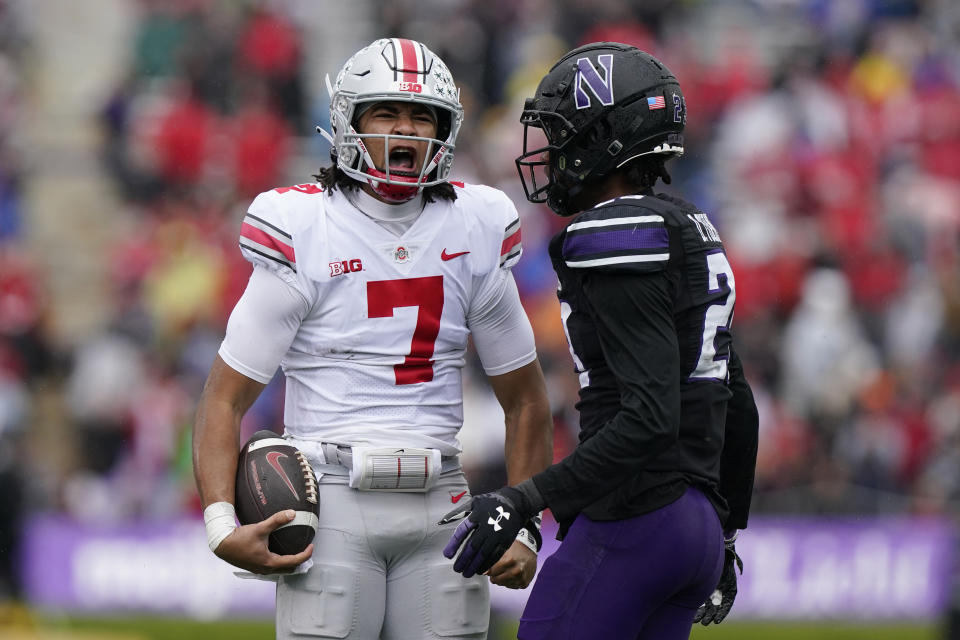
[24, 355]
[823, 140]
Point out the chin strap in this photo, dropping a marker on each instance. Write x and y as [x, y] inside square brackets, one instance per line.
[395, 193]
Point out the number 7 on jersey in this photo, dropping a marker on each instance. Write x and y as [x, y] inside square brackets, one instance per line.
[383, 296]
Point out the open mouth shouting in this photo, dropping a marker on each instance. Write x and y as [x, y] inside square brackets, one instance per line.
[403, 161]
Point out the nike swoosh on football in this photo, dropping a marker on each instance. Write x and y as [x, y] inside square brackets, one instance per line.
[450, 256]
[455, 499]
[274, 459]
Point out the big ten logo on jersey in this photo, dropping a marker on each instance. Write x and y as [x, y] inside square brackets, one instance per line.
[707, 231]
[345, 266]
[412, 87]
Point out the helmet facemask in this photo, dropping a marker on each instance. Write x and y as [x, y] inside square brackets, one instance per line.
[393, 185]
[541, 169]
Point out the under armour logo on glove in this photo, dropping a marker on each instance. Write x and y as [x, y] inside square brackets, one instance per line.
[496, 523]
[483, 546]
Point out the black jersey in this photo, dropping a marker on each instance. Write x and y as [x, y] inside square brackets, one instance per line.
[647, 297]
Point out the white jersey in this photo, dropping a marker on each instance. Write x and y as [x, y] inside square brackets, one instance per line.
[378, 356]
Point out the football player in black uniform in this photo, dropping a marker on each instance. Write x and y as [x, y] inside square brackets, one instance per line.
[650, 501]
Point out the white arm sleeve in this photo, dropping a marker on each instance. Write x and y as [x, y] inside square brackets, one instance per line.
[262, 326]
[502, 333]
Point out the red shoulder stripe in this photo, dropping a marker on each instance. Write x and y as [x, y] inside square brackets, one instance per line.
[510, 242]
[256, 235]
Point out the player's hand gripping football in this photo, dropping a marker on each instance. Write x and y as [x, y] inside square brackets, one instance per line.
[490, 528]
[718, 605]
[246, 547]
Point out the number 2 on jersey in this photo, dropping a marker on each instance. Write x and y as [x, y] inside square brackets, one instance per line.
[383, 296]
[717, 317]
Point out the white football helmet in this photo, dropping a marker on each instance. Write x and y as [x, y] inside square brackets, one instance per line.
[393, 69]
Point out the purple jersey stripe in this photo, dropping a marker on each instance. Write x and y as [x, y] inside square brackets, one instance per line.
[581, 245]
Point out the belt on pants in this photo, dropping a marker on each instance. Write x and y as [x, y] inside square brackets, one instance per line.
[337, 459]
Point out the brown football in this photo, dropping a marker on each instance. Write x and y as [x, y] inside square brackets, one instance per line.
[273, 475]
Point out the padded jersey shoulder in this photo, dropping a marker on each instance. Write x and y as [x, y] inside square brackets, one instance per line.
[490, 211]
[271, 222]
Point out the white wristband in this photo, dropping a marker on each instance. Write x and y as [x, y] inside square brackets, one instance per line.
[526, 538]
[220, 519]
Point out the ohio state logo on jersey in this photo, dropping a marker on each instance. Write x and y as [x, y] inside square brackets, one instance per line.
[345, 266]
[401, 254]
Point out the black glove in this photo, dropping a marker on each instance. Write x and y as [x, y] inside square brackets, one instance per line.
[491, 527]
[717, 606]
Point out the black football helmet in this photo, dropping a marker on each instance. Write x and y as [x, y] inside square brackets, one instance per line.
[601, 106]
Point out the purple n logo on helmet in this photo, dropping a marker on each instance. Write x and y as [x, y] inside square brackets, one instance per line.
[602, 88]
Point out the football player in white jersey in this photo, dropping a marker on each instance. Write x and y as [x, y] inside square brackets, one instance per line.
[365, 288]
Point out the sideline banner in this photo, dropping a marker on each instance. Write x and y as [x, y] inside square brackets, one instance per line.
[795, 568]
[157, 567]
[859, 568]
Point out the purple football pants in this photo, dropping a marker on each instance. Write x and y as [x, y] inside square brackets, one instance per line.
[641, 578]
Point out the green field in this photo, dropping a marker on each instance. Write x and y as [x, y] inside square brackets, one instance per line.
[176, 629]
[136, 628]
[821, 631]
[795, 631]
[20, 623]
[785, 631]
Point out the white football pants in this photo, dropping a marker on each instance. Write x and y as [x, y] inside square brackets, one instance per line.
[379, 572]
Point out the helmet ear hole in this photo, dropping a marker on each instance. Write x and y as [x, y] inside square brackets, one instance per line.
[598, 135]
[599, 132]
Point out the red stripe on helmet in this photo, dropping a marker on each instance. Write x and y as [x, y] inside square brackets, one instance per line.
[410, 67]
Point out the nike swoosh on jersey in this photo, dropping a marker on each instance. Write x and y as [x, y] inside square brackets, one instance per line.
[455, 499]
[450, 256]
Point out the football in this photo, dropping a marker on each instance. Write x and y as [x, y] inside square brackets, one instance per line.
[273, 475]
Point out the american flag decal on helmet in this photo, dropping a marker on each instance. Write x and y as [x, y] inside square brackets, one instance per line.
[261, 237]
[409, 60]
[511, 247]
[656, 102]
